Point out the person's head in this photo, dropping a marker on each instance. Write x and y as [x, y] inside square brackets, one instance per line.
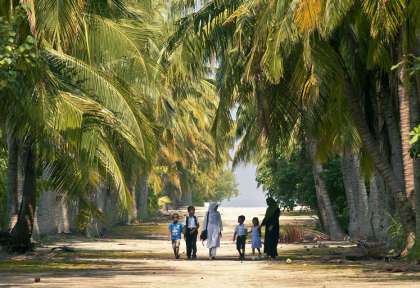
[213, 207]
[241, 219]
[175, 217]
[191, 210]
[271, 202]
[255, 221]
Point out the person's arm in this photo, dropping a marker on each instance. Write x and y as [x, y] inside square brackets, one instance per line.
[169, 232]
[235, 233]
[264, 221]
[205, 221]
[184, 228]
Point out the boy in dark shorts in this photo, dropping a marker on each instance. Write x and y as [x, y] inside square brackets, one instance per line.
[175, 232]
[240, 235]
[191, 232]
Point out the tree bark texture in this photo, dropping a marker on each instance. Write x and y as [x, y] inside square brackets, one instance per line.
[379, 209]
[143, 193]
[22, 231]
[324, 203]
[12, 180]
[356, 195]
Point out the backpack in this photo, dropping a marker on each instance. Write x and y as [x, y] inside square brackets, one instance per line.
[203, 235]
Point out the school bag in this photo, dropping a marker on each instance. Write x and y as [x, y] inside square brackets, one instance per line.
[203, 235]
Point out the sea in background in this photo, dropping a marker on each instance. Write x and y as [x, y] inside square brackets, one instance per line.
[249, 194]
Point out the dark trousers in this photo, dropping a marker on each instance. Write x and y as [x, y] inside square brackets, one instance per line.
[240, 242]
[191, 242]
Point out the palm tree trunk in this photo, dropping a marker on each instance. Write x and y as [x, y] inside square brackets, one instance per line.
[324, 203]
[378, 209]
[381, 163]
[405, 121]
[187, 197]
[133, 212]
[186, 192]
[415, 109]
[143, 193]
[356, 194]
[346, 170]
[22, 232]
[392, 128]
[417, 197]
[12, 180]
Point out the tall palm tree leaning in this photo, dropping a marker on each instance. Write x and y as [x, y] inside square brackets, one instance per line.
[315, 29]
[66, 91]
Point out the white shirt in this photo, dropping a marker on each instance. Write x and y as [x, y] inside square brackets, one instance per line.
[241, 230]
[191, 223]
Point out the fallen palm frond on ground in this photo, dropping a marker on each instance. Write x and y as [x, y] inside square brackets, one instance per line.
[299, 234]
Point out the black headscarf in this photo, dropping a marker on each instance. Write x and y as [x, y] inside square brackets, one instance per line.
[271, 209]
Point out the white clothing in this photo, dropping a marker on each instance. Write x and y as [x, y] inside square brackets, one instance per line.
[212, 252]
[241, 230]
[214, 226]
[191, 222]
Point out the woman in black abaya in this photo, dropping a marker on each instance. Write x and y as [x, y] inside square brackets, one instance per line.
[272, 227]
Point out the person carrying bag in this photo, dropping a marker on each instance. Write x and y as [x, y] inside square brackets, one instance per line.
[203, 235]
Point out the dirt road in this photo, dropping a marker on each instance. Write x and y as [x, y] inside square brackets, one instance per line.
[134, 257]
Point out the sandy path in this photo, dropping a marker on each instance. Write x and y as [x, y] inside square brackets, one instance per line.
[158, 269]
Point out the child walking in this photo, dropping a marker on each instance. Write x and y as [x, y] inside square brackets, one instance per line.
[256, 236]
[175, 230]
[191, 232]
[240, 236]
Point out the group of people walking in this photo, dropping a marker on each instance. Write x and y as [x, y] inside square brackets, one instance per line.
[213, 227]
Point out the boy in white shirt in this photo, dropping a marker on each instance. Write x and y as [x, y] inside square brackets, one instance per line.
[191, 232]
[240, 235]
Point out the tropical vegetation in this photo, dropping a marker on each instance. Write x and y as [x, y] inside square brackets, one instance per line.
[324, 79]
[139, 102]
[94, 118]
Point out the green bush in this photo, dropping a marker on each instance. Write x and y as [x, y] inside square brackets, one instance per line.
[290, 181]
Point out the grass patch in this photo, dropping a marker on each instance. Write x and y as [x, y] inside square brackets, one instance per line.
[143, 230]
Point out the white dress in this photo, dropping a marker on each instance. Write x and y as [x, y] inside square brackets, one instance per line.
[213, 229]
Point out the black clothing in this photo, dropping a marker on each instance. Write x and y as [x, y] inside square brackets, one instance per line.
[271, 237]
[240, 242]
[191, 242]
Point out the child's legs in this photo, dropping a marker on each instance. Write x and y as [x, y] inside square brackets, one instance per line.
[243, 242]
[259, 251]
[240, 245]
[188, 242]
[175, 246]
[194, 244]
[253, 251]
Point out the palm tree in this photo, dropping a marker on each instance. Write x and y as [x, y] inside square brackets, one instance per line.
[79, 95]
[326, 34]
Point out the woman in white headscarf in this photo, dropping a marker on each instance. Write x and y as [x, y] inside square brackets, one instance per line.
[214, 229]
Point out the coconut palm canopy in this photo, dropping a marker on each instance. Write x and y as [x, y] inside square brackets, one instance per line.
[134, 100]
